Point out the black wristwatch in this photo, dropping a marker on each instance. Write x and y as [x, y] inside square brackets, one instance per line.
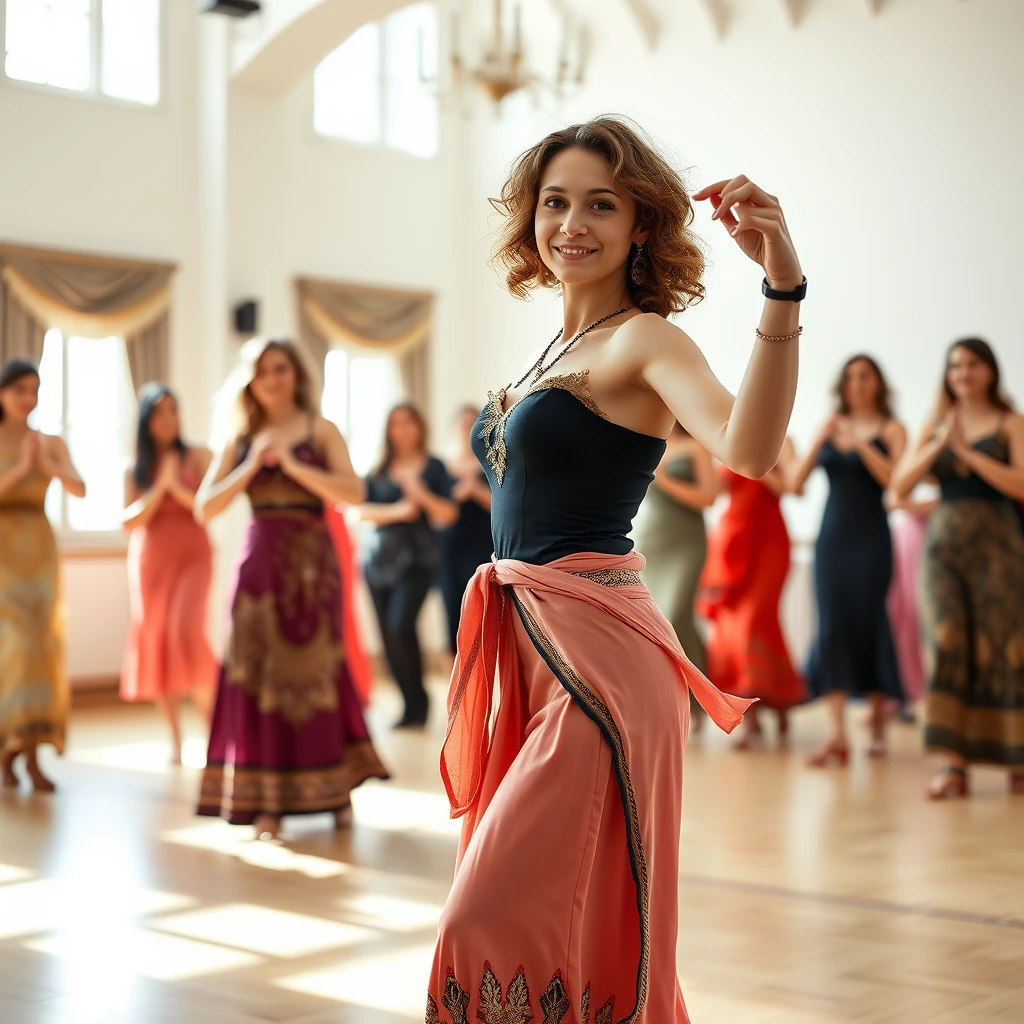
[796, 295]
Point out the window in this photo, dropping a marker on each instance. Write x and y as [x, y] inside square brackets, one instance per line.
[376, 87]
[86, 397]
[358, 393]
[106, 47]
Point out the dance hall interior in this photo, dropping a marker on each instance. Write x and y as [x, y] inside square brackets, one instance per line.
[361, 665]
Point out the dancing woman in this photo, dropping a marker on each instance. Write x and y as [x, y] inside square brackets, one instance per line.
[466, 544]
[972, 585]
[853, 653]
[288, 734]
[747, 567]
[564, 904]
[170, 567]
[34, 693]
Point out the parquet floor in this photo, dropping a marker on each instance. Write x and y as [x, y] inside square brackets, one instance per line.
[807, 897]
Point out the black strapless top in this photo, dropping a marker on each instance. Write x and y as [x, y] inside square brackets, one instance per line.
[957, 481]
[564, 478]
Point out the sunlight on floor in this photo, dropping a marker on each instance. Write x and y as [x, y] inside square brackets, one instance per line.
[391, 913]
[263, 930]
[404, 810]
[52, 904]
[105, 958]
[394, 981]
[152, 758]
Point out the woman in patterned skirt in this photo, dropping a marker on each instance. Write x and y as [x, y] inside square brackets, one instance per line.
[34, 695]
[288, 734]
[972, 584]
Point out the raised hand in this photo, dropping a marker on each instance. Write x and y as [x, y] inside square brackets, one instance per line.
[262, 453]
[755, 220]
[170, 467]
[30, 451]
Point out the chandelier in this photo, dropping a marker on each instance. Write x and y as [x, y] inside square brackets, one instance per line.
[502, 68]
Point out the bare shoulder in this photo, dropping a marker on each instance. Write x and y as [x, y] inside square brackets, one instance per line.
[894, 431]
[201, 457]
[1014, 426]
[53, 444]
[325, 430]
[648, 338]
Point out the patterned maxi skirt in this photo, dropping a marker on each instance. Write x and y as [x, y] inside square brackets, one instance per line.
[972, 597]
[288, 733]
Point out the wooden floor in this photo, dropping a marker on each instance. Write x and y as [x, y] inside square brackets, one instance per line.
[807, 897]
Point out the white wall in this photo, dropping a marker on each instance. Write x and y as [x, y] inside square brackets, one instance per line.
[886, 137]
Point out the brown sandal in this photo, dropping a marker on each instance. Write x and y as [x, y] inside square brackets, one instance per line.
[949, 784]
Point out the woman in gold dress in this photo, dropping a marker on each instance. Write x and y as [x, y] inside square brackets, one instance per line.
[33, 680]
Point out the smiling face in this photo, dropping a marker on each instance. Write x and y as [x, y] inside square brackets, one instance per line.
[584, 223]
[20, 398]
[968, 376]
[273, 386]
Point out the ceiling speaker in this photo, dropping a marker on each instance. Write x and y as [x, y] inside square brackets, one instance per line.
[232, 8]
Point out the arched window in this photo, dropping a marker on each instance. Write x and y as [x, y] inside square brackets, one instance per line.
[376, 88]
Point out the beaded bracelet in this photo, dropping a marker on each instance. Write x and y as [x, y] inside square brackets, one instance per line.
[761, 336]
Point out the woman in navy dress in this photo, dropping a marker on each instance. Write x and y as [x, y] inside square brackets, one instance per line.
[853, 653]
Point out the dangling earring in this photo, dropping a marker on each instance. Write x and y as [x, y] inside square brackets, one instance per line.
[638, 271]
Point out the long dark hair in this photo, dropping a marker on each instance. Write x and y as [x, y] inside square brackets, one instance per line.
[883, 400]
[983, 350]
[13, 371]
[388, 449]
[150, 396]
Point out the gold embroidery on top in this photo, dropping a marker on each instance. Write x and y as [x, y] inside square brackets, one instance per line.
[585, 696]
[495, 416]
[613, 577]
[513, 1009]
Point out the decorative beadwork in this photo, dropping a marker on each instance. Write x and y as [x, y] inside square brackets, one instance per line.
[512, 1006]
[761, 336]
[614, 577]
[495, 416]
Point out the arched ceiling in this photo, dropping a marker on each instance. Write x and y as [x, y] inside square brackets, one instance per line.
[292, 36]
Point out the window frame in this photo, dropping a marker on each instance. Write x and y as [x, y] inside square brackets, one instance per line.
[94, 93]
[72, 541]
[383, 92]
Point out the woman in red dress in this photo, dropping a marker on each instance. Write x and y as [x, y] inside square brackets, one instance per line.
[746, 569]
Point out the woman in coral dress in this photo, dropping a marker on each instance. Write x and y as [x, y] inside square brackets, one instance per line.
[170, 567]
[565, 902]
[34, 692]
[747, 567]
[288, 734]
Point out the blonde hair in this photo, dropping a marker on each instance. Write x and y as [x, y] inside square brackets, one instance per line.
[672, 255]
[238, 413]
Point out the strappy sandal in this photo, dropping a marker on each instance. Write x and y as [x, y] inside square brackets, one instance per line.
[950, 784]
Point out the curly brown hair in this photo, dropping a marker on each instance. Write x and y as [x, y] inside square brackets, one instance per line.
[673, 257]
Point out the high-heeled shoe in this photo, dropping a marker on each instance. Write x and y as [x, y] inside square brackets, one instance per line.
[831, 751]
[949, 784]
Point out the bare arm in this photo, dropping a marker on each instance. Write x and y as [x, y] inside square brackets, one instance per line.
[1009, 479]
[917, 460]
[140, 506]
[180, 491]
[224, 481]
[777, 479]
[746, 433]
[338, 483]
[801, 469]
[440, 511]
[877, 463]
[388, 513]
[56, 461]
[473, 489]
[701, 493]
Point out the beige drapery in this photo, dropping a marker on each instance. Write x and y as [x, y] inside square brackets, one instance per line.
[92, 296]
[382, 320]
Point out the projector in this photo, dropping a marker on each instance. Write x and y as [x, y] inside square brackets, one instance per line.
[233, 8]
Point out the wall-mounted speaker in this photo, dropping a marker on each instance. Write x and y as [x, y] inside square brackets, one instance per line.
[232, 8]
[247, 317]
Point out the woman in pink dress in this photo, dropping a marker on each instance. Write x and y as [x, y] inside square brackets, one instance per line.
[170, 567]
[910, 523]
[565, 901]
